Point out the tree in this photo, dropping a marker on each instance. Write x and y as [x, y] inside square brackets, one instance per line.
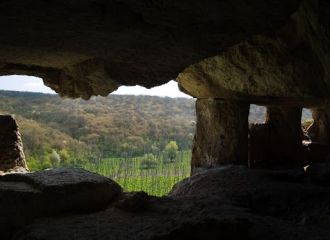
[55, 158]
[45, 164]
[65, 157]
[171, 151]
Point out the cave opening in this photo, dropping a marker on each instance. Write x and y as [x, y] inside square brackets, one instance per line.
[307, 120]
[257, 114]
[139, 137]
[226, 54]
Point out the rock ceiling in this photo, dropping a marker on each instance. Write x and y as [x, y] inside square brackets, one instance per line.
[245, 49]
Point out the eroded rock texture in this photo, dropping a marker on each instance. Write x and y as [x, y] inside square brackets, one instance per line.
[90, 47]
[278, 142]
[25, 197]
[289, 66]
[227, 54]
[226, 203]
[11, 148]
[319, 131]
[221, 133]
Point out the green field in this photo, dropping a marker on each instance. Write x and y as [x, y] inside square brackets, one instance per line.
[156, 176]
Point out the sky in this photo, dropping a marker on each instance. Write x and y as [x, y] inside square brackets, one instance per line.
[34, 84]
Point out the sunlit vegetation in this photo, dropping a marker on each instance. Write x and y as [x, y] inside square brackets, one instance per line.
[155, 174]
[307, 123]
[152, 134]
[142, 142]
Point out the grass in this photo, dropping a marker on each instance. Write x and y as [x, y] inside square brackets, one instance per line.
[130, 172]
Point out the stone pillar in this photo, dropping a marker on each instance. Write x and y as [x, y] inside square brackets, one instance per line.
[11, 148]
[278, 142]
[221, 134]
[320, 129]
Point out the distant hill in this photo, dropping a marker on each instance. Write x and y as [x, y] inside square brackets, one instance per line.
[103, 126]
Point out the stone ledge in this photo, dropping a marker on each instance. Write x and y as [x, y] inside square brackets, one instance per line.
[25, 197]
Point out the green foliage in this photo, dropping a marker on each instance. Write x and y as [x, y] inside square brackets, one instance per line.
[307, 123]
[148, 161]
[46, 163]
[133, 139]
[54, 159]
[171, 150]
[64, 157]
[101, 127]
[156, 181]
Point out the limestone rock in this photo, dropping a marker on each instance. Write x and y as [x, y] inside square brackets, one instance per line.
[90, 47]
[319, 131]
[11, 146]
[25, 197]
[231, 202]
[277, 142]
[134, 202]
[269, 68]
[221, 134]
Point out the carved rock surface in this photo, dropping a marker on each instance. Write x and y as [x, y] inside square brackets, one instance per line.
[270, 68]
[223, 203]
[221, 134]
[25, 197]
[319, 131]
[11, 147]
[278, 142]
[90, 47]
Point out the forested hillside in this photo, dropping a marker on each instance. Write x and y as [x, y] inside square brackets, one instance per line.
[117, 125]
[65, 131]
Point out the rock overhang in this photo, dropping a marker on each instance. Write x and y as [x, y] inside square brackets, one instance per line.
[91, 47]
[290, 67]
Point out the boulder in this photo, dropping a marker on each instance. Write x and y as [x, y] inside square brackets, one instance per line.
[24, 197]
[134, 202]
[230, 202]
[11, 146]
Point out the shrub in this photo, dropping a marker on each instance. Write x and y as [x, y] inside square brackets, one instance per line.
[54, 158]
[307, 123]
[148, 162]
[171, 151]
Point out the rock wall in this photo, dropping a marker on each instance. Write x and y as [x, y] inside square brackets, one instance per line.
[228, 54]
[278, 142]
[267, 52]
[221, 134]
[270, 69]
[11, 147]
[91, 47]
[319, 131]
[285, 70]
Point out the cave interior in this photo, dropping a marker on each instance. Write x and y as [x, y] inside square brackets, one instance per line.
[257, 181]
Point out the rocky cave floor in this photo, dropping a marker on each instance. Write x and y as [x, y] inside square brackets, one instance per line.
[230, 202]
